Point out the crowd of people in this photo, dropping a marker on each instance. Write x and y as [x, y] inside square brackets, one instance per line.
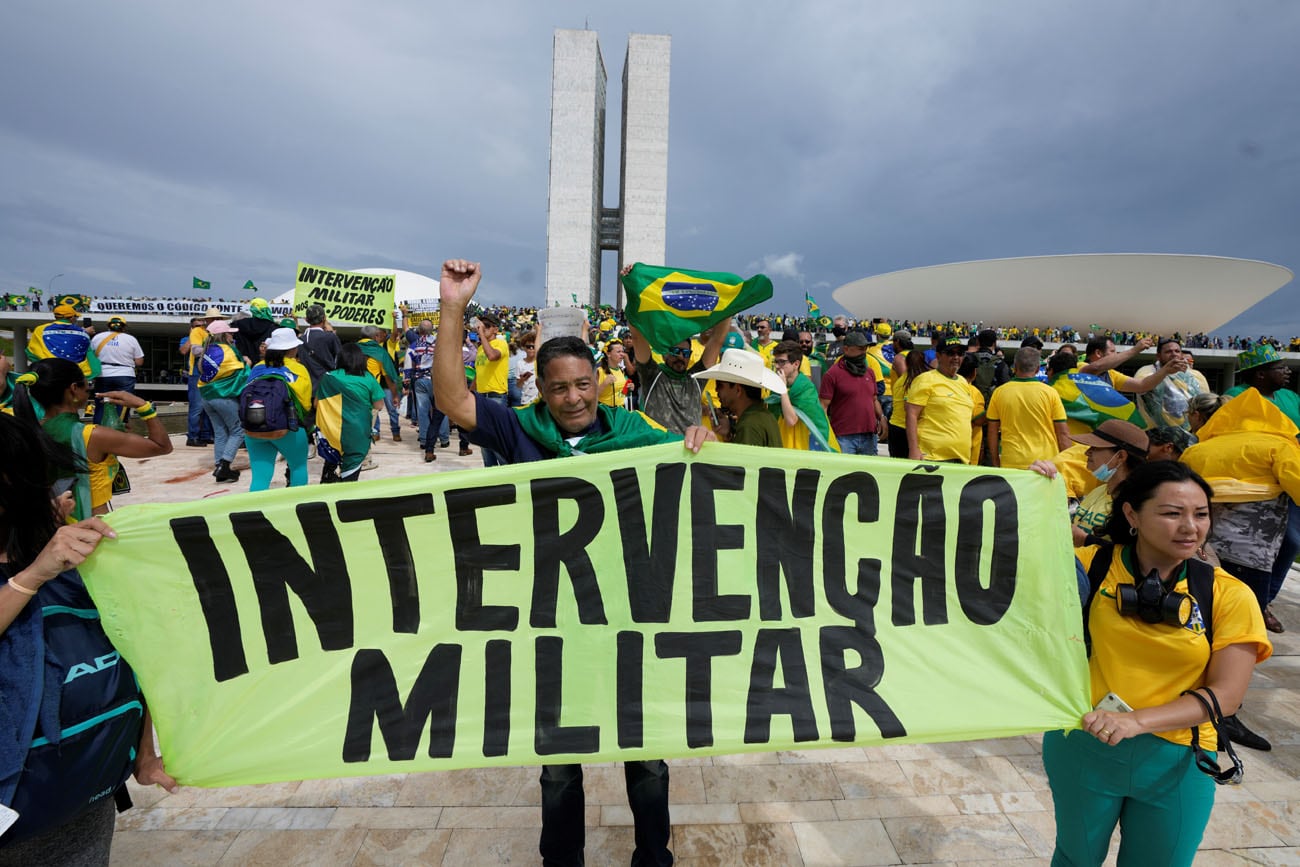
[1182, 502]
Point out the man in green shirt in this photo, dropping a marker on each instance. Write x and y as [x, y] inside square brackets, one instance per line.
[1263, 369]
[741, 377]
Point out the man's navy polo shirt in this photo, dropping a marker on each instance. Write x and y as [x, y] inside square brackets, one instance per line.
[499, 430]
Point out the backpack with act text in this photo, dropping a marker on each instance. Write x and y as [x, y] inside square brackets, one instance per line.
[266, 409]
[73, 711]
[986, 372]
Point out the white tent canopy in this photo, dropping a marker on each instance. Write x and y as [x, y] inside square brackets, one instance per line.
[1155, 292]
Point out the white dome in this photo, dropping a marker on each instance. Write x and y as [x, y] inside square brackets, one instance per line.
[1154, 292]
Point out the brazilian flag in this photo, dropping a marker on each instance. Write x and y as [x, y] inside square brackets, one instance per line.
[1090, 400]
[80, 303]
[813, 309]
[345, 424]
[201, 284]
[669, 305]
[63, 340]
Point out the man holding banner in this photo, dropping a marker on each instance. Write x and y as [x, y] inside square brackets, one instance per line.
[568, 420]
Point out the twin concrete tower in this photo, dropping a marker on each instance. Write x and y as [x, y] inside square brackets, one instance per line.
[578, 225]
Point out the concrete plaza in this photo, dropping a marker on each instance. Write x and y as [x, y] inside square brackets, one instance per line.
[979, 802]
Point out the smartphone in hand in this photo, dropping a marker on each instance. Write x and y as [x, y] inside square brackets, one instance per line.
[1114, 704]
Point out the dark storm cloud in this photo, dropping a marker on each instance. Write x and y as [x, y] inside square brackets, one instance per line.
[159, 140]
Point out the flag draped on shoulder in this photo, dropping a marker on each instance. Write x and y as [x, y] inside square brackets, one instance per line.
[669, 305]
[1090, 400]
[377, 353]
[813, 433]
[344, 424]
[63, 340]
[618, 429]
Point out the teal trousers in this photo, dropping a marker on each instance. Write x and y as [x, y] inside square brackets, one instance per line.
[1146, 784]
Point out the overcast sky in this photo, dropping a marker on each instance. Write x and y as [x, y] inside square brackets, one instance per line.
[147, 142]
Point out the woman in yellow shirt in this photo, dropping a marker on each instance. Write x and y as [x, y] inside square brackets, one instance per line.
[907, 368]
[612, 378]
[1138, 763]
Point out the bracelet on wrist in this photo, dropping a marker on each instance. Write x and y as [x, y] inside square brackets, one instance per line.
[26, 591]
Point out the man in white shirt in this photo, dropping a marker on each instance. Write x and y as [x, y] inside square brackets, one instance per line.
[119, 355]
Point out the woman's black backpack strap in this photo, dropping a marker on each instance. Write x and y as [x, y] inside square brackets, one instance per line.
[1097, 570]
[1200, 581]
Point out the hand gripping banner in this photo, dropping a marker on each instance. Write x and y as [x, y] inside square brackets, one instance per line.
[641, 604]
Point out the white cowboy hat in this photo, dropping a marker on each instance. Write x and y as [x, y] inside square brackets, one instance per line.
[283, 339]
[745, 367]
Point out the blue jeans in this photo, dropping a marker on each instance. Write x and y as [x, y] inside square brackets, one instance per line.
[199, 426]
[564, 822]
[422, 398]
[887, 404]
[491, 458]
[858, 444]
[261, 458]
[441, 425]
[227, 432]
[1287, 553]
[112, 383]
[394, 421]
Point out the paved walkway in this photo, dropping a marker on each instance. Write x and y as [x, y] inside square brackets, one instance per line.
[966, 803]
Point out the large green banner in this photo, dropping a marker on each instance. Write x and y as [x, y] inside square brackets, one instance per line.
[641, 604]
[349, 298]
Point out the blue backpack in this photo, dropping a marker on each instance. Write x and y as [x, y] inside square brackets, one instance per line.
[73, 710]
[266, 408]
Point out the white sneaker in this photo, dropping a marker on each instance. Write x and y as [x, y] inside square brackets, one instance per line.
[369, 464]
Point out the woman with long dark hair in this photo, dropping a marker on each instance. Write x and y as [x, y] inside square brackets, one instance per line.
[1173, 644]
[612, 376]
[908, 368]
[67, 744]
[59, 386]
[346, 401]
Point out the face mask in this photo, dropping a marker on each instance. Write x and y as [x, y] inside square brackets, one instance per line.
[839, 331]
[856, 366]
[1103, 473]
